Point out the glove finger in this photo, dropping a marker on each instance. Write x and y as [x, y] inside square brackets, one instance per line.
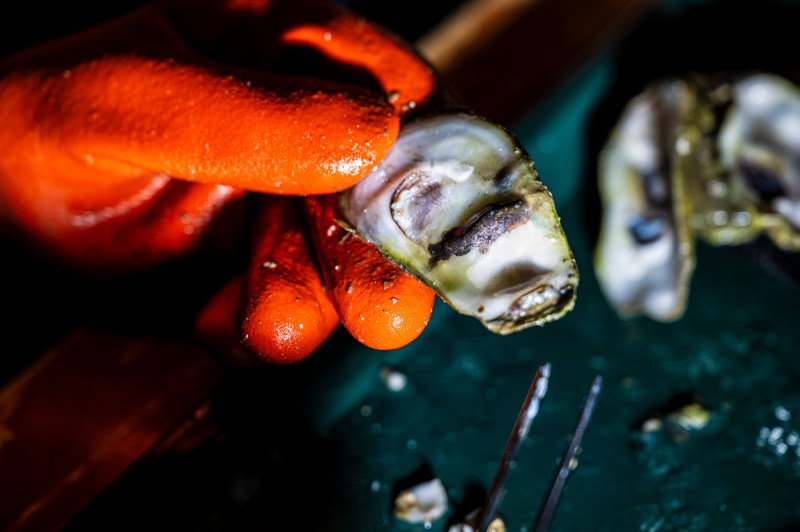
[159, 108]
[379, 304]
[286, 313]
[250, 32]
[407, 79]
[102, 225]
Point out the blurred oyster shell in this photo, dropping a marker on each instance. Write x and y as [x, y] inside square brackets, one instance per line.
[458, 204]
[710, 157]
[759, 151]
[645, 252]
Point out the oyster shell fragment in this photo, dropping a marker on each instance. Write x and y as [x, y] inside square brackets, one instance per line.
[458, 204]
[423, 503]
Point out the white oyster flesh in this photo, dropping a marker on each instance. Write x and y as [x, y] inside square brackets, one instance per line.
[644, 255]
[458, 204]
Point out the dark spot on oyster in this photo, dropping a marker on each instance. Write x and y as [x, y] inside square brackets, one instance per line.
[515, 278]
[649, 228]
[656, 188]
[761, 180]
[480, 230]
[504, 176]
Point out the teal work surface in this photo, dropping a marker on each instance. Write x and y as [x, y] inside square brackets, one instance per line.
[734, 355]
[733, 358]
[327, 444]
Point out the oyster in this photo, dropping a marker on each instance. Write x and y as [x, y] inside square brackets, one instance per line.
[759, 149]
[644, 255]
[708, 156]
[458, 204]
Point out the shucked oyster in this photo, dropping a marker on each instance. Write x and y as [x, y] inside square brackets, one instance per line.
[709, 157]
[644, 256]
[759, 147]
[458, 204]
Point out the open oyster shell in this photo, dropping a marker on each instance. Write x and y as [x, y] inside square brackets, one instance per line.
[645, 252]
[715, 157]
[458, 204]
[759, 150]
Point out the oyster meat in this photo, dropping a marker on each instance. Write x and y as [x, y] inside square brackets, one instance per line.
[458, 204]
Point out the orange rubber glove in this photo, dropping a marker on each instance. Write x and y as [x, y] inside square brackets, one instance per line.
[120, 146]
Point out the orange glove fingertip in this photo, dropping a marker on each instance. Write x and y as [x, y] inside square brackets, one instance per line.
[379, 304]
[284, 327]
[386, 311]
[287, 314]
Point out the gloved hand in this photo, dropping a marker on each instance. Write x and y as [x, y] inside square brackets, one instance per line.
[120, 146]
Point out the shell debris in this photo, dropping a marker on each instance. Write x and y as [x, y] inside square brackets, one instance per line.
[423, 503]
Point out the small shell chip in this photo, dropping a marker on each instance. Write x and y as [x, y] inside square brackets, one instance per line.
[497, 524]
[422, 503]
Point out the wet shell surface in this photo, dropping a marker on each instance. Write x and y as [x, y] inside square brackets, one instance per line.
[458, 204]
[645, 254]
[759, 147]
[715, 158]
